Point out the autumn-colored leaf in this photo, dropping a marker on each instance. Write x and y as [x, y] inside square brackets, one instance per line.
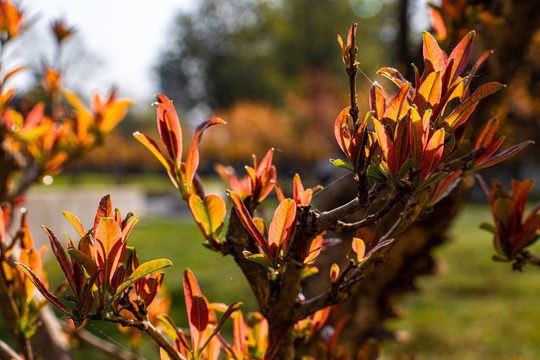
[62, 258]
[445, 187]
[359, 247]
[334, 272]
[84, 116]
[377, 100]
[433, 153]
[42, 289]
[192, 159]
[383, 138]
[487, 136]
[199, 313]
[429, 93]
[108, 244]
[398, 107]
[504, 155]
[191, 291]
[169, 128]
[393, 75]
[247, 221]
[87, 264]
[432, 52]
[74, 220]
[464, 110]
[281, 227]
[152, 146]
[209, 213]
[342, 135]
[169, 323]
[461, 54]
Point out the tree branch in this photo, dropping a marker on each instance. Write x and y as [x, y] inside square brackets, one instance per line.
[341, 291]
[341, 226]
[464, 162]
[325, 220]
[143, 325]
[96, 342]
[7, 353]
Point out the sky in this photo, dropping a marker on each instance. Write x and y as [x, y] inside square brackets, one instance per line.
[120, 40]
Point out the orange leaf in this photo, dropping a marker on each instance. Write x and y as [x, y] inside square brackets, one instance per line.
[84, 116]
[108, 244]
[208, 213]
[43, 290]
[191, 291]
[377, 100]
[169, 128]
[429, 92]
[334, 272]
[359, 247]
[433, 153]
[247, 221]
[461, 54]
[152, 146]
[399, 106]
[383, 138]
[433, 53]
[281, 227]
[192, 159]
[74, 220]
[462, 113]
[343, 136]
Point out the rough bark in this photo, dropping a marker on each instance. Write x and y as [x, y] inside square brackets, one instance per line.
[410, 257]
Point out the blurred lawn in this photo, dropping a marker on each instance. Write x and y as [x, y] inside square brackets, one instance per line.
[474, 309]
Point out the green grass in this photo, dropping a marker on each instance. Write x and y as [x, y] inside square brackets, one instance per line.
[474, 309]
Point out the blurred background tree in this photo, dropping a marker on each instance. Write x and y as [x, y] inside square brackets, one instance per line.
[266, 65]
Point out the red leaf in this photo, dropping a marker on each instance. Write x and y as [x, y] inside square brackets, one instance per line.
[62, 258]
[240, 332]
[444, 188]
[433, 153]
[383, 138]
[400, 149]
[438, 24]
[199, 313]
[399, 106]
[377, 100]
[418, 132]
[488, 134]
[108, 246]
[192, 159]
[43, 290]
[461, 54]
[464, 110]
[334, 272]
[429, 93]
[169, 128]
[300, 195]
[104, 210]
[433, 53]
[247, 221]
[505, 154]
[281, 227]
[341, 132]
[152, 146]
[192, 291]
[393, 75]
